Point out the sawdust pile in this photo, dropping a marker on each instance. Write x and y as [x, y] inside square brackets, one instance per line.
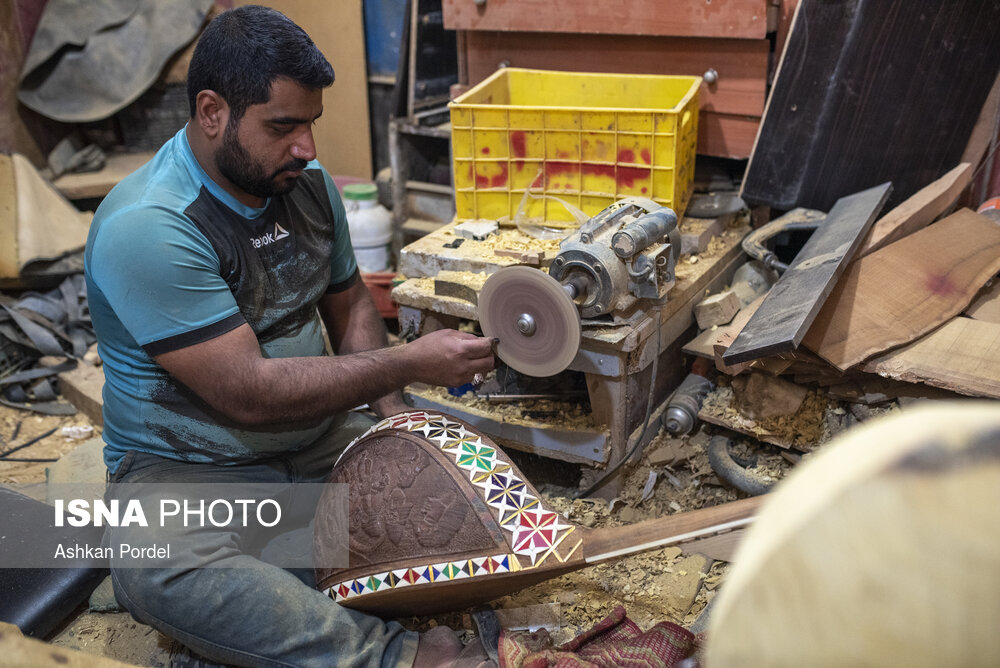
[531, 413]
[512, 239]
[687, 265]
[804, 430]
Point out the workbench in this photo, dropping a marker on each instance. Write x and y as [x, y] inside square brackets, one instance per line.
[617, 361]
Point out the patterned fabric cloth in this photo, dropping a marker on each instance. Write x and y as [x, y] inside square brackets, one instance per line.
[614, 642]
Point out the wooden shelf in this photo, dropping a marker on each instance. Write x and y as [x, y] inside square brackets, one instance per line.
[87, 185]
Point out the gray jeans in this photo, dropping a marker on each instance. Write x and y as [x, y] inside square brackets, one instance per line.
[261, 615]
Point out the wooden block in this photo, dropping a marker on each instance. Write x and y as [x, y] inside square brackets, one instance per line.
[689, 573]
[986, 305]
[82, 387]
[796, 298]
[919, 210]
[533, 258]
[962, 356]
[476, 230]
[696, 233]
[717, 309]
[760, 396]
[724, 337]
[906, 289]
[667, 454]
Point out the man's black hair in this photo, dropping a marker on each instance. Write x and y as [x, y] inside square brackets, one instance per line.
[243, 50]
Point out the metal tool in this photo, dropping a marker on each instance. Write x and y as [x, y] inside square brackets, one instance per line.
[625, 253]
[682, 410]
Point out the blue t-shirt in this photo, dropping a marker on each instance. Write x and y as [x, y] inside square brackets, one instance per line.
[173, 260]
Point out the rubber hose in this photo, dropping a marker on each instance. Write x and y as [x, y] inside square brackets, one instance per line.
[732, 473]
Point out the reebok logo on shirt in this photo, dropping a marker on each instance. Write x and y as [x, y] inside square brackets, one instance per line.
[269, 238]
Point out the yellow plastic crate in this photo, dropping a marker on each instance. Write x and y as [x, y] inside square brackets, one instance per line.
[588, 139]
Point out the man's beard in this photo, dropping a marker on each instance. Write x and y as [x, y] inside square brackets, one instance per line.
[249, 175]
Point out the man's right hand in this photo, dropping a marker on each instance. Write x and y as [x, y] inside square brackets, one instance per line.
[450, 358]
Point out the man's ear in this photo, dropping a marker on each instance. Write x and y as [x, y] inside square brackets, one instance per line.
[211, 113]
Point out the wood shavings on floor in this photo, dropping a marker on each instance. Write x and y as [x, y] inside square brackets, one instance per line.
[564, 414]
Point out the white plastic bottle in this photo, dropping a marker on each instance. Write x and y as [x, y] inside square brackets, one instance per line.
[370, 224]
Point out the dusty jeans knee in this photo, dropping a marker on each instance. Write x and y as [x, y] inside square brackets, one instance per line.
[240, 610]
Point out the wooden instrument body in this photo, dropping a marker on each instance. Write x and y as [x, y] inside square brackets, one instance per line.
[434, 505]
[441, 519]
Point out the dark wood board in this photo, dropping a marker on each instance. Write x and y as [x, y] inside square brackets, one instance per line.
[871, 91]
[797, 297]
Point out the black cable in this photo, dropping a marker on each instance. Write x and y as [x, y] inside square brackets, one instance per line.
[27, 443]
[28, 459]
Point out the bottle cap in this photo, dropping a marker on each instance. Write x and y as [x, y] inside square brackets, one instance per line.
[358, 191]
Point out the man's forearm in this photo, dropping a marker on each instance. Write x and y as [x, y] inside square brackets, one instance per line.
[294, 389]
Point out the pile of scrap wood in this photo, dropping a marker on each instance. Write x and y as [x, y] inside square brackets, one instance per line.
[873, 308]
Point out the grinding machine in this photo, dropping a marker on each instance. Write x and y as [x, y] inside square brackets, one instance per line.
[615, 266]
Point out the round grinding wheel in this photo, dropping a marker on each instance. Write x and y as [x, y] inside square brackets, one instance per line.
[535, 320]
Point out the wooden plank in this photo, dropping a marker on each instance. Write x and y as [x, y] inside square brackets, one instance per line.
[741, 64]
[682, 18]
[918, 211]
[906, 289]
[986, 305]
[726, 135]
[83, 387]
[696, 233]
[88, 185]
[864, 105]
[962, 356]
[717, 309]
[796, 298]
